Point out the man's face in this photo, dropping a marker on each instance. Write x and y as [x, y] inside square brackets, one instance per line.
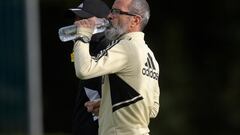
[115, 30]
[119, 22]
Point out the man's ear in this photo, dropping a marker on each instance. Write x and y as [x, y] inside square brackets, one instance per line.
[136, 20]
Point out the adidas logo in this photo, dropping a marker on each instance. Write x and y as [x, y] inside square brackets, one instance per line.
[149, 68]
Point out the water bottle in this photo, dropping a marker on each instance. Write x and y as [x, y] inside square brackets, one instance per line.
[69, 33]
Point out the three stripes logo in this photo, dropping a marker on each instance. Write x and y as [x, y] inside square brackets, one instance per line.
[149, 68]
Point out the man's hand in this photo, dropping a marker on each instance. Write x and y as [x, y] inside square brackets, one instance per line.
[86, 23]
[93, 106]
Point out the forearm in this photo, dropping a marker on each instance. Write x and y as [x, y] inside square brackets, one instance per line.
[87, 67]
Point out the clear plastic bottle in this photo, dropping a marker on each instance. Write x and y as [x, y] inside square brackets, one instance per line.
[69, 33]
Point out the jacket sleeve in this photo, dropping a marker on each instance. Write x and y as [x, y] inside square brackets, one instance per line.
[156, 96]
[156, 106]
[86, 67]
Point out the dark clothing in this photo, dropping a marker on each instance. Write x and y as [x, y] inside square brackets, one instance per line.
[83, 122]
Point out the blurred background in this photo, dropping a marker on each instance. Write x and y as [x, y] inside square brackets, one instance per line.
[197, 44]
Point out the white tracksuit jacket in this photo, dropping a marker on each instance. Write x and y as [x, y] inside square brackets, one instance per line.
[130, 90]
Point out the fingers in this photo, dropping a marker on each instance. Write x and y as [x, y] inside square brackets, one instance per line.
[89, 105]
[86, 23]
[93, 106]
[89, 108]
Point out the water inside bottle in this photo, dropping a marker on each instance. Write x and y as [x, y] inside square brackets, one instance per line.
[69, 33]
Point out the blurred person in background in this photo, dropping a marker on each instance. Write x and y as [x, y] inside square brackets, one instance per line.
[85, 123]
[130, 91]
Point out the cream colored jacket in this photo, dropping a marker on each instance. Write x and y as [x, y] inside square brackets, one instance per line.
[130, 90]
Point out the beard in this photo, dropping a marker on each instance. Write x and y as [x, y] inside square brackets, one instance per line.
[114, 32]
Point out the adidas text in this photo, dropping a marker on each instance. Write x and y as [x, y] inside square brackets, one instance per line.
[150, 73]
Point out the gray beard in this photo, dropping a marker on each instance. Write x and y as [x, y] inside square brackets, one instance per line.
[113, 33]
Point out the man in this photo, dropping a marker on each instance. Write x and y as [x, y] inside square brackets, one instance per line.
[130, 90]
[84, 123]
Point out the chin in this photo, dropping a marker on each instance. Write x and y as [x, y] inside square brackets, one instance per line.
[111, 33]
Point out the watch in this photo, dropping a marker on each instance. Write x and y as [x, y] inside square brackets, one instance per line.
[84, 39]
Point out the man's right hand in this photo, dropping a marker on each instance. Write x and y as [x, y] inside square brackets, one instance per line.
[93, 107]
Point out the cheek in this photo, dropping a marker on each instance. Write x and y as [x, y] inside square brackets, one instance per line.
[124, 22]
[121, 22]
